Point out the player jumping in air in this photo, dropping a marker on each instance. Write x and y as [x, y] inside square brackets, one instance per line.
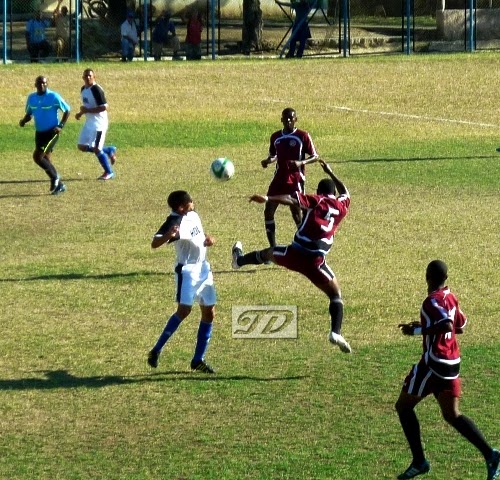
[288, 149]
[437, 373]
[323, 213]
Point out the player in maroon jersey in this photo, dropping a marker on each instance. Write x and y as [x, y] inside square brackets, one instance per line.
[323, 213]
[438, 373]
[288, 149]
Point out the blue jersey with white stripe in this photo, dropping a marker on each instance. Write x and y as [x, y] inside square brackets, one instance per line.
[44, 109]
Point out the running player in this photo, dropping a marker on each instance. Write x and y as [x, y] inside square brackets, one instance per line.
[193, 276]
[437, 373]
[43, 105]
[323, 213]
[288, 149]
[93, 133]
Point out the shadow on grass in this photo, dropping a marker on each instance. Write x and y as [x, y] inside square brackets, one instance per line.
[106, 276]
[416, 159]
[24, 195]
[63, 379]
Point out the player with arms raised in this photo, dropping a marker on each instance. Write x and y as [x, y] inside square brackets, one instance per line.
[288, 149]
[323, 213]
[438, 373]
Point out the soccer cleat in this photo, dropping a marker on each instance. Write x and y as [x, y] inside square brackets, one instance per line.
[340, 341]
[237, 251]
[153, 359]
[412, 471]
[498, 149]
[60, 188]
[493, 466]
[106, 176]
[54, 182]
[112, 155]
[202, 367]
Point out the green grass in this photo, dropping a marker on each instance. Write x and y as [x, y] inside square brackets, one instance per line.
[84, 297]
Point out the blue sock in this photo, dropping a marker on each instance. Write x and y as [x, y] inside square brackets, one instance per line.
[104, 161]
[109, 150]
[204, 334]
[172, 325]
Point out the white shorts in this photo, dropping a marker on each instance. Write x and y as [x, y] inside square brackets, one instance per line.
[195, 282]
[89, 135]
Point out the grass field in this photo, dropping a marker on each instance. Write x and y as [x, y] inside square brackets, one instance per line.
[83, 296]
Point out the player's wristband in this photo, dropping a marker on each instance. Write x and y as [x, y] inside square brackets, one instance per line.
[417, 330]
[61, 125]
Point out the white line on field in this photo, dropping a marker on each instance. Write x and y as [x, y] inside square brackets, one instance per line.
[418, 117]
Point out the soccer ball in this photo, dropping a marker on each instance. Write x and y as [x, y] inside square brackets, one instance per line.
[222, 169]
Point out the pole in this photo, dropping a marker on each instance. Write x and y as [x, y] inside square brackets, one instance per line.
[4, 34]
[78, 12]
[408, 28]
[212, 20]
[471, 26]
[145, 30]
[345, 4]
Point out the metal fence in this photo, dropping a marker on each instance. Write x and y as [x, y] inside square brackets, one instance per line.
[90, 29]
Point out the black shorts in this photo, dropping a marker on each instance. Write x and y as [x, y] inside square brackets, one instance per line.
[45, 141]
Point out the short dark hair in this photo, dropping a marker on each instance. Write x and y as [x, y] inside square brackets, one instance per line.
[437, 271]
[326, 187]
[178, 198]
[288, 111]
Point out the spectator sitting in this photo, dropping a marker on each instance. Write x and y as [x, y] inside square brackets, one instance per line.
[61, 22]
[36, 43]
[164, 35]
[130, 38]
[193, 36]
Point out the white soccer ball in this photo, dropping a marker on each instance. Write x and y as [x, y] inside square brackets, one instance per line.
[222, 169]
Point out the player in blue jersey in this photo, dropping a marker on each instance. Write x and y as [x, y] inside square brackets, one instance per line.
[193, 276]
[44, 105]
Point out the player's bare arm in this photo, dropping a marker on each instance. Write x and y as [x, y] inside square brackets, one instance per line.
[268, 161]
[159, 240]
[306, 161]
[24, 120]
[281, 199]
[339, 185]
[415, 328]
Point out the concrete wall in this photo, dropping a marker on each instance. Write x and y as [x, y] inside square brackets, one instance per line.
[451, 24]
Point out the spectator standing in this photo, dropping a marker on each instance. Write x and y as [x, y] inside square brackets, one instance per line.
[300, 28]
[61, 22]
[164, 35]
[44, 105]
[36, 41]
[193, 36]
[130, 38]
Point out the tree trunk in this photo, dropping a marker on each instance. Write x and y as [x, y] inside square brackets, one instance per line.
[252, 26]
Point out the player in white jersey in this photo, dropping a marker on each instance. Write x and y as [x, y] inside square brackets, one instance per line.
[194, 279]
[93, 133]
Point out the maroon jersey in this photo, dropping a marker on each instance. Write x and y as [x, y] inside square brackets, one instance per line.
[441, 351]
[288, 148]
[321, 217]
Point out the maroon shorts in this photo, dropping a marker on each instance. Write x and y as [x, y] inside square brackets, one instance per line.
[314, 267]
[286, 186]
[421, 381]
